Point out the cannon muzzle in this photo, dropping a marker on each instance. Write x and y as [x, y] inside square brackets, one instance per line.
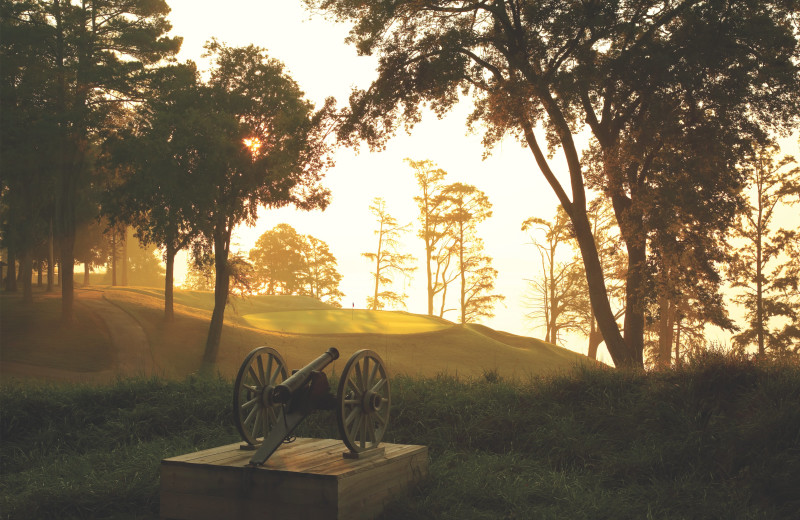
[284, 391]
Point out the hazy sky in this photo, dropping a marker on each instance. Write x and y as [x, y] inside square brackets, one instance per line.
[317, 58]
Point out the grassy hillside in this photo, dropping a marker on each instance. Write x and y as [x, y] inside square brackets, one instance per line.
[344, 321]
[717, 439]
[32, 333]
[301, 328]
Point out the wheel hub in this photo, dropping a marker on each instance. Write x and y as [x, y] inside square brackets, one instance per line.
[372, 402]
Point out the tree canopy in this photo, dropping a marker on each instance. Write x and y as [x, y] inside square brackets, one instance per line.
[258, 143]
[672, 92]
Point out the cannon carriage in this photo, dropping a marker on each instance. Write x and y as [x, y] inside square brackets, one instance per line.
[268, 403]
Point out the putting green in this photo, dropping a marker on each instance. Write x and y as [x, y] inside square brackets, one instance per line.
[344, 321]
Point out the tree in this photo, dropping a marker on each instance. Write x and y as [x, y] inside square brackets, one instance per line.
[479, 299]
[668, 89]
[258, 143]
[154, 191]
[95, 54]
[287, 262]
[200, 273]
[27, 129]
[558, 292]
[388, 261]
[278, 259]
[765, 267]
[435, 228]
[611, 253]
[469, 207]
[320, 278]
[91, 246]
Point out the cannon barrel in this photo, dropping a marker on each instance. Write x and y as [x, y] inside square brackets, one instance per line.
[284, 391]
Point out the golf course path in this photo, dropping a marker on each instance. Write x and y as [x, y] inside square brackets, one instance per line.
[134, 356]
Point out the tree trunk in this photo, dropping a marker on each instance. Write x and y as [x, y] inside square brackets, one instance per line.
[759, 289]
[623, 354]
[595, 338]
[86, 270]
[11, 275]
[665, 324]
[39, 273]
[51, 265]
[113, 257]
[462, 273]
[26, 276]
[66, 276]
[378, 268]
[221, 287]
[169, 314]
[444, 297]
[125, 257]
[678, 342]
[429, 275]
[634, 306]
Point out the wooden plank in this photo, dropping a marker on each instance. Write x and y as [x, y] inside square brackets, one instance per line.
[199, 454]
[179, 506]
[364, 495]
[232, 455]
[342, 467]
[251, 484]
[305, 479]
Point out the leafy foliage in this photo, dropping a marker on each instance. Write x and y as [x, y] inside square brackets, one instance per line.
[766, 265]
[673, 93]
[388, 260]
[286, 262]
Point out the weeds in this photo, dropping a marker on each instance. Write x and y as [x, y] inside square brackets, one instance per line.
[718, 438]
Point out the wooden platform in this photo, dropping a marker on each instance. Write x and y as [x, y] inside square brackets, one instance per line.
[306, 479]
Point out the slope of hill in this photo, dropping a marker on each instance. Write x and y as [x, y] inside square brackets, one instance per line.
[425, 346]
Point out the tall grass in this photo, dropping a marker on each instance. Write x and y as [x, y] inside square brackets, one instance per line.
[717, 439]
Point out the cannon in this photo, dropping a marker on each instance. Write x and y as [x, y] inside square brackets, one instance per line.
[268, 403]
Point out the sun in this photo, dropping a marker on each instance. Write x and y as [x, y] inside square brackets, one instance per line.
[253, 144]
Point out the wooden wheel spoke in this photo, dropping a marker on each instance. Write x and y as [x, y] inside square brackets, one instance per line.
[359, 378]
[354, 387]
[356, 427]
[250, 415]
[378, 386]
[352, 415]
[274, 377]
[371, 429]
[261, 377]
[268, 371]
[372, 375]
[253, 374]
[380, 419]
[256, 423]
[364, 433]
[250, 403]
[251, 388]
[365, 373]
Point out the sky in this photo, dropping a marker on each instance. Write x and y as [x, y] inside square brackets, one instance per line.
[315, 55]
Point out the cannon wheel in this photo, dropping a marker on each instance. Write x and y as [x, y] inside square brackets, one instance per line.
[363, 401]
[253, 410]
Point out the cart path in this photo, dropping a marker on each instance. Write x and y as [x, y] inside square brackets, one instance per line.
[134, 354]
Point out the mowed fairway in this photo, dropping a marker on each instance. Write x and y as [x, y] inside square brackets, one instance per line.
[345, 321]
[300, 328]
